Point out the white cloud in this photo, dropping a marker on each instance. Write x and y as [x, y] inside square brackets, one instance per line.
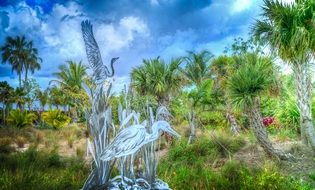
[115, 37]
[241, 5]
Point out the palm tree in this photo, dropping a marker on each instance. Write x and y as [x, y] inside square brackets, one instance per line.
[71, 78]
[42, 97]
[221, 68]
[157, 78]
[33, 61]
[197, 71]
[21, 55]
[19, 98]
[289, 30]
[197, 67]
[246, 86]
[71, 74]
[6, 92]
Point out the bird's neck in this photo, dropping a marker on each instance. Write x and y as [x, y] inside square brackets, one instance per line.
[153, 136]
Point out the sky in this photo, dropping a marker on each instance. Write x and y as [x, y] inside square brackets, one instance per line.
[130, 29]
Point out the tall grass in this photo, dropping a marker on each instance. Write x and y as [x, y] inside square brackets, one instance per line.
[195, 167]
[40, 170]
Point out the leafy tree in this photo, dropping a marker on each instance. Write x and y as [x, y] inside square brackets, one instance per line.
[196, 72]
[30, 87]
[289, 31]
[20, 97]
[221, 69]
[71, 77]
[6, 92]
[42, 97]
[246, 86]
[157, 78]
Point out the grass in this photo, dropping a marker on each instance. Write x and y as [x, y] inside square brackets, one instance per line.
[41, 170]
[191, 167]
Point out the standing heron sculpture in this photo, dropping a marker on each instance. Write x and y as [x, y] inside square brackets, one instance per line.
[131, 139]
[100, 71]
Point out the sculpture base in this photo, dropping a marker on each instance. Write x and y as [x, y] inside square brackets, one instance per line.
[117, 183]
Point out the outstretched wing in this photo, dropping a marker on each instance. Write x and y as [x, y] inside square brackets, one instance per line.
[92, 50]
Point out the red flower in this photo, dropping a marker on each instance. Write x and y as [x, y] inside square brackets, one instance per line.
[268, 121]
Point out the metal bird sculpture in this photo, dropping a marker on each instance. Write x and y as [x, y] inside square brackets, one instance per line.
[131, 139]
[100, 71]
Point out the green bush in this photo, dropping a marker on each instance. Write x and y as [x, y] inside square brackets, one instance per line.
[216, 119]
[20, 119]
[5, 145]
[193, 167]
[55, 119]
[41, 170]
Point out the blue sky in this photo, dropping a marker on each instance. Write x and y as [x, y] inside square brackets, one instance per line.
[129, 29]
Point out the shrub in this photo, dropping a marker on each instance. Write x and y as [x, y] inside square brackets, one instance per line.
[190, 167]
[55, 119]
[5, 145]
[20, 119]
[70, 140]
[20, 141]
[39, 170]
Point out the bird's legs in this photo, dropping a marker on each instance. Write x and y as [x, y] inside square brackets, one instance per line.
[122, 168]
[132, 159]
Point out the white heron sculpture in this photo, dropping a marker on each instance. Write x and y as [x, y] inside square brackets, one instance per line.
[131, 139]
[100, 71]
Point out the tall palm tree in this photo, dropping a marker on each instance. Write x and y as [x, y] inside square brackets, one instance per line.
[33, 61]
[289, 31]
[14, 52]
[157, 78]
[197, 68]
[246, 86]
[21, 54]
[221, 69]
[196, 72]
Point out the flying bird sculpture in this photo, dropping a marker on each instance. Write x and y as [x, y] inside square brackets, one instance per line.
[100, 71]
[129, 140]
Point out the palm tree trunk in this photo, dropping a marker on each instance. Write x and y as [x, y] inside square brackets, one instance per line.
[255, 120]
[235, 128]
[191, 118]
[26, 72]
[304, 101]
[20, 80]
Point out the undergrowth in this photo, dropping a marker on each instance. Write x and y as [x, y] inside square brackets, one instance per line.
[39, 170]
[193, 167]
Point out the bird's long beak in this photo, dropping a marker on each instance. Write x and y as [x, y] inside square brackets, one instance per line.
[173, 132]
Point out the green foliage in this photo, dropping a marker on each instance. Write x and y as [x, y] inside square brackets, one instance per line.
[21, 55]
[253, 77]
[212, 119]
[55, 119]
[40, 170]
[21, 119]
[197, 67]
[156, 78]
[189, 167]
[286, 28]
